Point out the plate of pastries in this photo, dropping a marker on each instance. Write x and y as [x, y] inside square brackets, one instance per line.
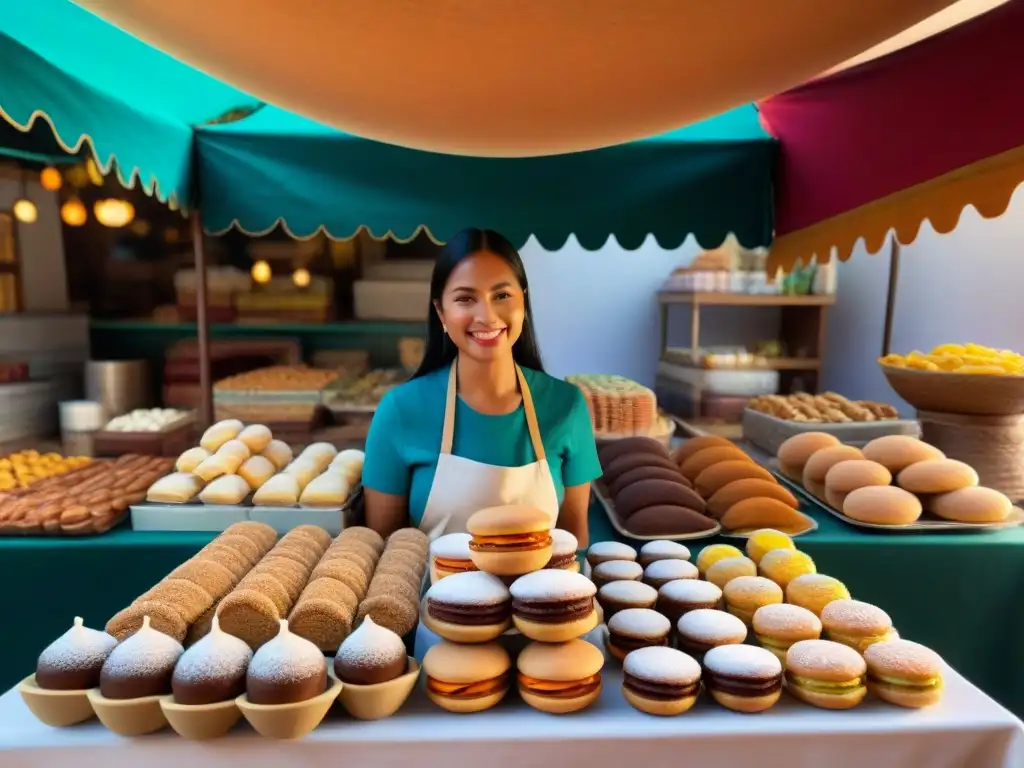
[895, 483]
[708, 485]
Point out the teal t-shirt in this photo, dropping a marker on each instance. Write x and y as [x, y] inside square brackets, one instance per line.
[405, 437]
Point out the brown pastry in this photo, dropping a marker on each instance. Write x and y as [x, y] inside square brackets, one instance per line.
[140, 666]
[654, 492]
[623, 464]
[73, 661]
[188, 599]
[370, 656]
[717, 476]
[344, 571]
[701, 460]
[250, 616]
[264, 582]
[163, 618]
[391, 612]
[666, 520]
[639, 474]
[325, 623]
[207, 574]
[390, 584]
[694, 444]
[315, 534]
[752, 514]
[365, 535]
[751, 488]
[333, 591]
[937, 476]
[611, 451]
[292, 575]
[286, 670]
[213, 670]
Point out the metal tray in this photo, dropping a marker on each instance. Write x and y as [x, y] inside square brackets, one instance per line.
[727, 534]
[768, 432]
[926, 524]
[609, 508]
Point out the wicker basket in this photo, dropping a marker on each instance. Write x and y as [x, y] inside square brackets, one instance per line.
[993, 445]
[965, 393]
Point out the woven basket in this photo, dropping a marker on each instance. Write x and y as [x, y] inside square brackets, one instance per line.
[993, 445]
[968, 393]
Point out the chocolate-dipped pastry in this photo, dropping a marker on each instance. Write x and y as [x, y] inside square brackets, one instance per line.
[371, 655]
[213, 670]
[286, 670]
[73, 661]
[667, 520]
[141, 665]
[650, 493]
[640, 474]
[622, 464]
[609, 452]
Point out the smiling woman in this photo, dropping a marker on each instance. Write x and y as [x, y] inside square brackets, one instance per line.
[480, 424]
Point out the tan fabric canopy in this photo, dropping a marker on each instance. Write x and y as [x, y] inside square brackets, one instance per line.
[513, 77]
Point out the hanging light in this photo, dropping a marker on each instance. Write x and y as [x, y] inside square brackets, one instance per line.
[301, 278]
[50, 179]
[93, 171]
[141, 227]
[261, 272]
[114, 213]
[77, 176]
[73, 213]
[24, 210]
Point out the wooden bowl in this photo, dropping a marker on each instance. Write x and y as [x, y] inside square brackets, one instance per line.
[289, 721]
[375, 702]
[128, 717]
[201, 721]
[966, 393]
[57, 709]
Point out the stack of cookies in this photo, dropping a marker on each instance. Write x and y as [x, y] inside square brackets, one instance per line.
[254, 609]
[183, 603]
[326, 609]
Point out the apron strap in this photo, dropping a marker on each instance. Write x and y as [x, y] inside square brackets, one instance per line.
[448, 431]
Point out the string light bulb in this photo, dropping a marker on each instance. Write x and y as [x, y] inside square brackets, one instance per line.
[114, 213]
[93, 171]
[50, 179]
[261, 272]
[73, 213]
[301, 278]
[25, 210]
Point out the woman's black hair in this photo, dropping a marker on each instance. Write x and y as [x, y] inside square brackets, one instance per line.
[440, 351]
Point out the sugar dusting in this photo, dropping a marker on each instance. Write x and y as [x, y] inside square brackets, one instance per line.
[639, 622]
[832, 660]
[687, 590]
[709, 625]
[217, 656]
[469, 588]
[902, 658]
[147, 652]
[371, 646]
[78, 648]
[660, 664]
[628, 592]
[614, 549]
[563, 542]
[550, 585]
[785, 618]
[453, 546]
[742, 661]
[667, 549]
[618, 569]
[854, 616]
[672, 569]
[287, 658]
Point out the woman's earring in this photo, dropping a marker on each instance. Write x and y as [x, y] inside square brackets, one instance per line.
[444, 328]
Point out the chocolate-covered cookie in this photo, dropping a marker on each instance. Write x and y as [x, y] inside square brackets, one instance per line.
[667, 520]
[627, 479]
[608, 452]
[649, 493]
[622, 464]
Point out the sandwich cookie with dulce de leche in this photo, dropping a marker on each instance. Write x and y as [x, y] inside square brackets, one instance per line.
[450, 554]
[469, 607]
[553, 606]
[660, 680]
[636, 628]
[510, 540]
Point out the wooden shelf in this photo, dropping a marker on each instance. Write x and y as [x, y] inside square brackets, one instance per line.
[743, 299]
[339, 327]
[771, 364]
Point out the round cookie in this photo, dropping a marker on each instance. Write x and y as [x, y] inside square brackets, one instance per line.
[616, 570]
[748, 488]
[265, 583]
[695, 444]
[641, 474]
[717, 476]
[661, 572]
[897, 452]
[410, 536]
[607, 453]
[260, 534]
[344, 571]
[651, 493]
[207, 574]
[359, 558]
[314, 533]
[344, 546]
[937, 476]
[324, 623]
[701, 460]
[292, 575]
[334, 591]
[391, 612]
[667, 520]
[784, 565]
[298, 551]
[250, 616]
[882, 505]
[624, 464]
[724, 571]
[226, 557]
[365, 535]
[389, 584]
[163, 618]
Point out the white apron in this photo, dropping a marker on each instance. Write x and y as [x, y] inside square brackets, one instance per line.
[462, 486]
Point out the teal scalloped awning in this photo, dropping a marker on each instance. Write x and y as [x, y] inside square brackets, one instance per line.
[90, 79]
[274, 167]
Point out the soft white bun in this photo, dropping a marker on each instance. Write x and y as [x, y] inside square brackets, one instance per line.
[279, 453]
[214, 437]
[176, 488]
[226, 489]
[190, 459]
[279, 491]
[256, 437]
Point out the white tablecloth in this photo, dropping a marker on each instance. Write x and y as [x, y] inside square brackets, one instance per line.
[967, 730]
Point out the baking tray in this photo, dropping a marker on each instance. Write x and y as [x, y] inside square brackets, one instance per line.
[926, 524]
[609, 509]
[768, 432]
[727, 534]
[150, 516]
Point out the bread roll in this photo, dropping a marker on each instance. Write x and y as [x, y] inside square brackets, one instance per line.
[719, 475]
[256, 470]
[215, 466]
[611, 451]
[176, 488]
[850, 475]
[256, 437]
[234, 449]
[822, 461]
[303, 470]
[794, 452]
[937, 476]
[751, 514]
[279, 452]
[694, 444]
[190, 459]
[226, 489]
[701, 460]
[748, 488]
[279, 491]
[322, 454]
[972, 505]
[897, 452]
[882, 505]
[330, 489]
[220, 433]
